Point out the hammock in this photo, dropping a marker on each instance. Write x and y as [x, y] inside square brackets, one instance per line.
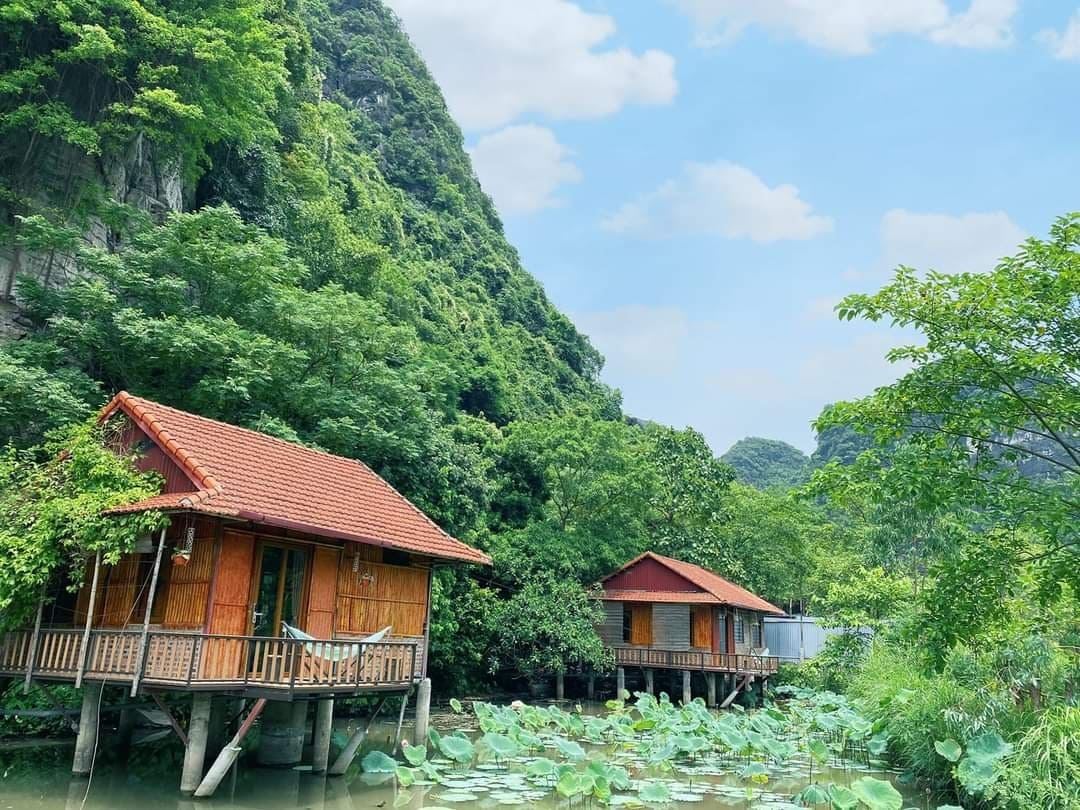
[335, 653]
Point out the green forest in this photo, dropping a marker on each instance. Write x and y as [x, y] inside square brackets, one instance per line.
[263, 213]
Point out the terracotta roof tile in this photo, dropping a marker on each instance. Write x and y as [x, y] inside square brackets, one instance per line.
[725, 591]
[242, 473]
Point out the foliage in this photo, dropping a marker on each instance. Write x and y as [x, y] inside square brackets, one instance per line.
[52, 500]
[765, 463]
[546, 625]
[1045, 769]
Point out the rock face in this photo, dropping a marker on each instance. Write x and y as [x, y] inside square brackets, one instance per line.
[60, 177]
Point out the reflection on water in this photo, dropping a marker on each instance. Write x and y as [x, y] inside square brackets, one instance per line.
[38, 778]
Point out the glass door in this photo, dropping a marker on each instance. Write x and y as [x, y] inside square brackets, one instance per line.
[280, 594]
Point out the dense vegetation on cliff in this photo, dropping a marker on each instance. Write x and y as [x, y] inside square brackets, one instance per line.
[765, 463]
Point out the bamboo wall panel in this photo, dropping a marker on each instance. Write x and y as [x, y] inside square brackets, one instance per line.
[671, 626]
[641, 630]
[610, 629]
[321, 596]
[376, 595]
[188, 588]
[701, 627]
[119, 594]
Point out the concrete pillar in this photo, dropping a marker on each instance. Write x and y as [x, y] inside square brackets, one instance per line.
[125, 727]
[195, 753]
[320, 736]
[86, 741]
[710, 689]
[686, 695]
[281, 733]
[219, 710]
[590, 687]
[423, 712]
[650, 685]
[560, 686]
[620, 682]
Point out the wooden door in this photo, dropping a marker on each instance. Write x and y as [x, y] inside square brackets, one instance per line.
[322, 595]
[701, 627]
[640, 624]
[229, 606]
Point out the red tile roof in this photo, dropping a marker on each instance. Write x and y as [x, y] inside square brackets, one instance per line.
[722, 591]
[679, 597]
[241, 473]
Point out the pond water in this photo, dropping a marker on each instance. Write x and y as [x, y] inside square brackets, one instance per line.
[37, 777]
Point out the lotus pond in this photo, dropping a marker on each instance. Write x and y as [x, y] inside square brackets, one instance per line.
[810, 750]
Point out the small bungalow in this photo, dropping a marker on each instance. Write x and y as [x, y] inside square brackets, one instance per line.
[662, 613]
[285, 574]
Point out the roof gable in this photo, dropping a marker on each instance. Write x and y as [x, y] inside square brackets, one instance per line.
[628, 588]
[249, 475]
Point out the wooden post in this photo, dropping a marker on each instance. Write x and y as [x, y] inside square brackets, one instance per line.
[345, 758]
[423, 712]
[687, 697]
[85, 649]
[560, 686]
[620, 682]
[140, 656]
[31, 654]
[228, 754]
[650, 681]
[86, 741]
[320, 737]
[710, 689]
[590, 687]
[195, 751]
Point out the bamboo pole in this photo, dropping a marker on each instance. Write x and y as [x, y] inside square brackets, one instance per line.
[31, 654]
[228, 754]
[345, 758]
[84, 651]
[140, 656]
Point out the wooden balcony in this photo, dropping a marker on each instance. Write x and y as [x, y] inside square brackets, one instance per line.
[252, 665]
[731, 663]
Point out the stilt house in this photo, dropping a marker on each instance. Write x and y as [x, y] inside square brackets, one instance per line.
[265, 535]
[662, 613]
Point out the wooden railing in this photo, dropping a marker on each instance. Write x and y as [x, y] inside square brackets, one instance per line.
[181, 660]
[741, 663]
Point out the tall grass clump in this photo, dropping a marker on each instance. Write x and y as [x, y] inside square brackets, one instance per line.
[1044, 770]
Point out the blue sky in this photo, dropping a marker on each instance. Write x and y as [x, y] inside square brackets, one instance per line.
[697, 182]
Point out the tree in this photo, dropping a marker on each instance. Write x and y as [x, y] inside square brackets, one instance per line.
[52, 504]
[548, 625]
[994, 386]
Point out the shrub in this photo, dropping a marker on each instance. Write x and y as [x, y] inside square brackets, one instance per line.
[1044, 770]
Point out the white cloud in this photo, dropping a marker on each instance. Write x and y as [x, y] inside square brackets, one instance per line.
[720, 198]
[496, 60]
[853, 26]
[637, 340]
[522, 167]
[1066, 44]
[949, 244]
[823, 307]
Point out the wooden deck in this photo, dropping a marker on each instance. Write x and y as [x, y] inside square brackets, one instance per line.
[731, 663]
[251, 665]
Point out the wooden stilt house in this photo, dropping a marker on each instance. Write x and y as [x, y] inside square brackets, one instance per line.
[264, 535]
[664, 613]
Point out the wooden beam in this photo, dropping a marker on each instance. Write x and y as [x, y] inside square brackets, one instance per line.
[228, 754]
[140, 656]
[172, 720]
[85, 649]
[345, 758]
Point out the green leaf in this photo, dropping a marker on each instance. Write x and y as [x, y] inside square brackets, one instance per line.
[950, 749]
[654, 793]
[455, 704]
[457, 748]
[378, 762]
[877, 794]
[842, 798]
[813, 794]
[405, 776]
[414, 754]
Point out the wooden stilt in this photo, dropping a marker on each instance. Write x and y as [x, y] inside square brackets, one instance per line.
[84, 650]
[86, 741]
[620, 682]
[560, 686]
[345, 758]
[140, 655]
[687, 693]
[228, 754]
[739, 686]
[590, 687]
[31, 659]
[172, 720]
[650, 683]
[710, 689]
[400, 720]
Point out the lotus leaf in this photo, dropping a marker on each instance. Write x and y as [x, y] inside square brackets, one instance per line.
[378, 762]
[950, 749]
[877, 794]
